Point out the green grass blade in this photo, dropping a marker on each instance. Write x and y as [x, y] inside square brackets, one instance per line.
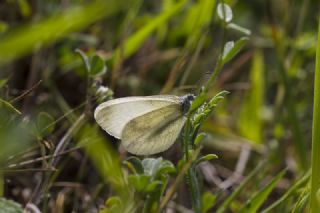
[26, 38]
[223, 207]
[105, 160]
[250, 122]
[199, 17]
[133, 43]
[297, 186]
[254, 203]
[315, 176]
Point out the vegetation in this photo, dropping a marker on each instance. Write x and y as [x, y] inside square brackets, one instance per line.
[251, 139]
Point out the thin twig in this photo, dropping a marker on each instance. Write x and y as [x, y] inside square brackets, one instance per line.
[27, 170]
[66, 138]
[25, 93]
[43, 158]
[174, 73]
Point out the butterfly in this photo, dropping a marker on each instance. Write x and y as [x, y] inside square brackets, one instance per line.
[146, 125]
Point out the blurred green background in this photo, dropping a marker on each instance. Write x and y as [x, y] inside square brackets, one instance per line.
[55, 157]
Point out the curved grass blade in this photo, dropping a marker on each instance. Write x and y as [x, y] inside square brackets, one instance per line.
[255, 202]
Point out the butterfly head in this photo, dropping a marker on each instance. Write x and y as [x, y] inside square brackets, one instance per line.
[186, 102]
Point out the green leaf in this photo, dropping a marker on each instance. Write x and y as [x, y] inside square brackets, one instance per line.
[97, 66]
[224, 12]
[154, 185]
[85, 59]
[199, 138]
[194, 187]
[9, 206]
[134, 164]
[206, 158]
[204, 111]
[238, 28]
[208, 200]
[227, 48]
[151, 166]
[231, 49]
[112, 205]
[166, 167]
[45, 123]
[197, 102]
[139, 182]
[113, 201]
[218, 97]
[254, 203]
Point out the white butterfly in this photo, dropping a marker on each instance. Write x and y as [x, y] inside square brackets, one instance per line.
[146, 125]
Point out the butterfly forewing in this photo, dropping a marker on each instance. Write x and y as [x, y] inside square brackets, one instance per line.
[113, 115]
[153, 132]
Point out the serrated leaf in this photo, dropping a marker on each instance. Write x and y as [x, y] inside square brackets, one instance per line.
[224, 12]
[230, 49]
[254, 203]
[45, 123]
[208, 200]
[97, 66]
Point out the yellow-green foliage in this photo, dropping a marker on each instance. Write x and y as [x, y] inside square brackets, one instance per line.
[250, 121]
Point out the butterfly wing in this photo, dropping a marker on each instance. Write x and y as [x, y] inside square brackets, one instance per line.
[153, 132]
[113, 115]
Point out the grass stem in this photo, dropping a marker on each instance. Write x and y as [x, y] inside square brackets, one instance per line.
[315, 168]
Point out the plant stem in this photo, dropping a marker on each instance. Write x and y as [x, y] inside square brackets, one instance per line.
[1, 184]
[315, 168]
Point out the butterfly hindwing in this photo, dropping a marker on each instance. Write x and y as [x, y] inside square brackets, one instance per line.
[153, 132]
